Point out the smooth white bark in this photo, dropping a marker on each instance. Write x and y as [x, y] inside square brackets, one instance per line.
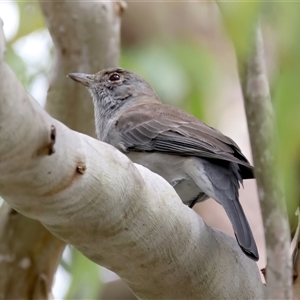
[120, 215]
[86, 36]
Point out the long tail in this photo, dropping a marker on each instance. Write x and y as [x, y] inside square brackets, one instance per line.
[220, 181]
[241, 227]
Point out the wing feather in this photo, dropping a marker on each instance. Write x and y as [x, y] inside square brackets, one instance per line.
[170, 130]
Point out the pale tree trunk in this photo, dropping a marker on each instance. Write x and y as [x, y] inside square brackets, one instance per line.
[86, 40]
[260, 121]
[29, 255]
[118, 214]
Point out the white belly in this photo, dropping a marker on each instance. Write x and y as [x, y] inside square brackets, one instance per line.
[170, 167]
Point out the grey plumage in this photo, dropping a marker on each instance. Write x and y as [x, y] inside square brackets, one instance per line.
[196, 159]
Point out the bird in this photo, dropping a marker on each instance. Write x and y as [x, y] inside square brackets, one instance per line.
[196, 159]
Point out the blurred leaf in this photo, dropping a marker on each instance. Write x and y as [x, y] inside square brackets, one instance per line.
[239, 18]
[31, 19]
[182, 74]
[154, 63]
[85, 283]
[284, 18]
[18, 66]
[199, 65]
[287, 104]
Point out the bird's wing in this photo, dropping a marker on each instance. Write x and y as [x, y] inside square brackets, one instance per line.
[166, 129]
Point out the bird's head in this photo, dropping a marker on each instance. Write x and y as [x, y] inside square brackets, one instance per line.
[116, 89]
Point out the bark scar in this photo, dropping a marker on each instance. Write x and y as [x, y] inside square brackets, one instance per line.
[48, 146]
[120, 7]
[263, 270]
[52, 140]
[13, 212]
[81, 168]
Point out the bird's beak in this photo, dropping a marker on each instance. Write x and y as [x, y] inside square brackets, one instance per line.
[85, 79]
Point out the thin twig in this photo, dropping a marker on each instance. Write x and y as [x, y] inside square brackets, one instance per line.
[259, 114]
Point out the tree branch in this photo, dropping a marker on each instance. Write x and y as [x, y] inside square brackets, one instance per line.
[261, 128]
[87, 41]
[120, 215]
[29, 253]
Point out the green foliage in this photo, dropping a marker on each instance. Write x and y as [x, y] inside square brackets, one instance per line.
[85, 282]
[286, 102]
[31, 19]
[183, 73]
[239, 17]
[284, 20]
[18, 65]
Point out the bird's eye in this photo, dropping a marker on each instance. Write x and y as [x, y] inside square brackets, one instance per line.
[114, 77]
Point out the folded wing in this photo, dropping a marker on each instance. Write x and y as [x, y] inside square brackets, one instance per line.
[152, 128]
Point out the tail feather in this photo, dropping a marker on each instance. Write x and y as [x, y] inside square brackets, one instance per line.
[220, 181]
[241, 228]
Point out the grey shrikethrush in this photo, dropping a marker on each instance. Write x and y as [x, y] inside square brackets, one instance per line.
[196, 159]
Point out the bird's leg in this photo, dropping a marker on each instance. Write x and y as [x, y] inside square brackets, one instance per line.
[175, 182]
[195, 201]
